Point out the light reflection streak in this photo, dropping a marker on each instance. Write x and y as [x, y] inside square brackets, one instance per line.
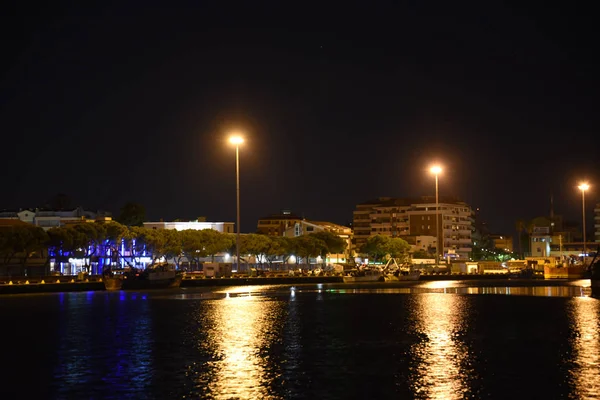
[585, 373]
[242, 329]
[445, 360]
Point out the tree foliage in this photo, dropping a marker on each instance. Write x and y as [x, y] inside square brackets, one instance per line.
[333, 243]
[110, 239]
[378, 247]
[21, 242]
[132, 214]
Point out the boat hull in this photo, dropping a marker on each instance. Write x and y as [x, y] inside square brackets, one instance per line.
[122, 283]
[366, 278]
[411, 276]
[570, 272]
[113, 283]
[144, 284]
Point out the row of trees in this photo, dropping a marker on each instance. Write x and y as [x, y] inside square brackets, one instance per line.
[101, 239]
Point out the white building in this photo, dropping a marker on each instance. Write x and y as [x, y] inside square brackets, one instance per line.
[47, 219]
[305, 227]
[223, 227]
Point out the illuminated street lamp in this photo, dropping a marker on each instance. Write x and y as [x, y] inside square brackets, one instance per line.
[436, 170]
[583, 186]
[237, 141]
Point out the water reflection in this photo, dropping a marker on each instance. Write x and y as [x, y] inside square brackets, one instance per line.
[585, 368]
[117, 353]
[444, 361]
[241, 330]
[544, 291]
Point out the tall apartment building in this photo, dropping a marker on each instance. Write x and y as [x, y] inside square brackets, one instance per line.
[397, 217]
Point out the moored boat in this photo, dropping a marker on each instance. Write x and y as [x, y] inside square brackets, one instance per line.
[402, 275]
[364, 274]
[566, 272]
[114, 282]
[393, 272]
[154, 277]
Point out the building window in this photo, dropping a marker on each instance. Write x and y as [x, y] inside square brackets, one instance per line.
[422, 226]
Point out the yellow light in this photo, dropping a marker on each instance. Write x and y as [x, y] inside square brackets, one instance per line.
[583, 186]
[237, 140]
[436, 169]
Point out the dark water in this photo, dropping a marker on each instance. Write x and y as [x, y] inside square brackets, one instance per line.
[436, 340]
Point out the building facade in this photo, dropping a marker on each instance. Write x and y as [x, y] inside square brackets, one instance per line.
[48, 219]
[277, 224]
[305, 227]
[400, 217]
[223, 227]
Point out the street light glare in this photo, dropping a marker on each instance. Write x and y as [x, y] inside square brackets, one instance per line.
[236, 140]
[583, 186]
[436, 169]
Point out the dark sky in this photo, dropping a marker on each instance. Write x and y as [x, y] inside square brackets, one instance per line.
[339, 103]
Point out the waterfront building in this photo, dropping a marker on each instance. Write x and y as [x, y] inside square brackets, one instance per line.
[223, 227]
[401, 217]
[421, 243]
[548, 235]
[305, 227]
[277, 224]
[47, 218]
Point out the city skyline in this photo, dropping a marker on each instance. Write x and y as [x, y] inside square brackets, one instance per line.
[111, 105]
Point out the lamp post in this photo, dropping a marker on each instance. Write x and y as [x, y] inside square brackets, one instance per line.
[237, 141]
[583, 187]
[436, 170]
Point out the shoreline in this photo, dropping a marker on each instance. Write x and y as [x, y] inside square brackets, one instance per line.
[95, 285]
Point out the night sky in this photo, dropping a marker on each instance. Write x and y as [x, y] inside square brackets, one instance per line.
[339, 103]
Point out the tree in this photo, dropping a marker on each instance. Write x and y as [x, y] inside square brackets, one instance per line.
[173, 245]
[256, 245]
[398, 248]
[90, 237]
[278, 246]
[307, 246]
[191, 245]
[22, 242]
[132, 214]
[333, 243]
[32, 239]
[376, 247]
[282, 246]
[422, 254]
[214, 242]
[67, 241]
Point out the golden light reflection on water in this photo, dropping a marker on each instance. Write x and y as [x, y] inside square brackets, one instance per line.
[241, 327]
[443, 358]
[585, 372]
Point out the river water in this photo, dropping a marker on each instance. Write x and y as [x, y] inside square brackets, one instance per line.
[424, 340]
